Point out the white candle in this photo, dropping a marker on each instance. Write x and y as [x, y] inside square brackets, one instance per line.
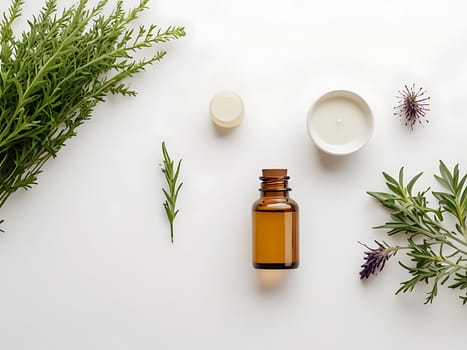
[340, 122]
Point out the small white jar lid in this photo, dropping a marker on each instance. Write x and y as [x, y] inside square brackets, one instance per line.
[226, 109]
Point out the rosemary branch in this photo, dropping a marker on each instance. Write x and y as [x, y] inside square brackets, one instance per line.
[437, 251]
[55, 73]
[171, 194]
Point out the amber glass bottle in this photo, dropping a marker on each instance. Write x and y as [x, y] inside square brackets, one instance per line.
[275, 223]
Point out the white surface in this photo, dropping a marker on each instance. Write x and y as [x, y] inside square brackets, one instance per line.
[340, 122]
[86, 261]
[226, 109]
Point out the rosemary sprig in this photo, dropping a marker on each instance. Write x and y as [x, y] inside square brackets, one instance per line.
[171, 194]
[55, 73]
[438, 250]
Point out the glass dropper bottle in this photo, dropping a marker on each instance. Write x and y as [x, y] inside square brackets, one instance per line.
[275, 223]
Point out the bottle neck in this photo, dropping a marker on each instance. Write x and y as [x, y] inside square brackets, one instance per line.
[274, 186]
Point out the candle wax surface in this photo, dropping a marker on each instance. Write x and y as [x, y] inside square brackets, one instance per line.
[339, 120]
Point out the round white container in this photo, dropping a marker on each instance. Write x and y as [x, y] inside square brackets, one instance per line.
[340, 122]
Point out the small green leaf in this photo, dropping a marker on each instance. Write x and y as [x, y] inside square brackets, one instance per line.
[401, 176]
[445, 173]
[395, 189]
[443, 182]
[412, 182]
[455, 178]
[445, 279]
[390, 179]
[382, 196]
[386, 199]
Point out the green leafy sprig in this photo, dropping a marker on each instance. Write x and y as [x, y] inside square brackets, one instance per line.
[55, 73]
[437, 249]
[171, 194]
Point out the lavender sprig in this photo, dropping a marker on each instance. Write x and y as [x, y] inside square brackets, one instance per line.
[375, 259]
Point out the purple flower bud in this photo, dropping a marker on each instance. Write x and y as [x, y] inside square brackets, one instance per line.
[375, 259]
[413, 105]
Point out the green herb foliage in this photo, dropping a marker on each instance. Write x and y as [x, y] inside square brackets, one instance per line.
[436, 245]
[171, 194]
[54, 74]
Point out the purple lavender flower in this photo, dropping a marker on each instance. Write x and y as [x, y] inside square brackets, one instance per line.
[375, 258]
[413, 105]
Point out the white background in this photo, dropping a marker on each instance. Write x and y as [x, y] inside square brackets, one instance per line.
[86, 261]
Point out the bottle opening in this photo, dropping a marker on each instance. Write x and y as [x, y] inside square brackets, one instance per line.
[274, 172]
[274, 180]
